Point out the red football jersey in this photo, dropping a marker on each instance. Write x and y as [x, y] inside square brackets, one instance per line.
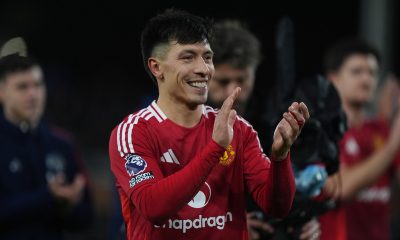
[367, 216]
[177, 183]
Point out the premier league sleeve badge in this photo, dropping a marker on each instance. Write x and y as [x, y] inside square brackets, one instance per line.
[134, 164]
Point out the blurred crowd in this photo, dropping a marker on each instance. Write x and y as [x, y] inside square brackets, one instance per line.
[346, 162]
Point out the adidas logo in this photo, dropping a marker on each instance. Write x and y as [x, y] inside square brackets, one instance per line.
[169, 157]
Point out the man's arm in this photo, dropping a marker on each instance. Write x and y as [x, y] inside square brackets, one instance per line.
[271, 183]
[74, 202]
[70, 187]
[344, 185]
[158, 197]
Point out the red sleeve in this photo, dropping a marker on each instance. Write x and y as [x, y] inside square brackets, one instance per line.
[271, 183]
[397, 161]
[157, 197]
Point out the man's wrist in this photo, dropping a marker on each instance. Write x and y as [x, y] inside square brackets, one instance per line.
[281, 157]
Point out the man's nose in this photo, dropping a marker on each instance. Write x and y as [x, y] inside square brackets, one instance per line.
[34, 91]
[202, 67]
[231, 86]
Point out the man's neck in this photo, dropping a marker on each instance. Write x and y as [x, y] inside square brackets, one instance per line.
[180, 113]
[355, 114]
[24, 125]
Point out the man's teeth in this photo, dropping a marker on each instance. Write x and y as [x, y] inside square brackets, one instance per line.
[198, 84]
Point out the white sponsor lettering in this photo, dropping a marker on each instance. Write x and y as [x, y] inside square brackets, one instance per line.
[374, 194]
[140, 178]
[201, 222]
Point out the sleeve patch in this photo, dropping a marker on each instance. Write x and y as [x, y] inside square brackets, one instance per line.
[134, 164]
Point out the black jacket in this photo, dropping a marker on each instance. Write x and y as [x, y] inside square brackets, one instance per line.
[27, 160]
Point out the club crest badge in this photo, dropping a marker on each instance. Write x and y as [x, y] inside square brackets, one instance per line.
[228, 157]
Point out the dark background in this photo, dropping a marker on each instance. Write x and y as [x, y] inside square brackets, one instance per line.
[90, 53]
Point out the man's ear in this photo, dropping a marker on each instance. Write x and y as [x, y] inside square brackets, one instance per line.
[332, 76]
[154, 66]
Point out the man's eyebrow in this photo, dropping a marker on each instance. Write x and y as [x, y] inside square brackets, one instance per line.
[209, 52]
[185, 51]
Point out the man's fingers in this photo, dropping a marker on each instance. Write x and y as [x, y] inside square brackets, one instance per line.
[292, 121]
[299, 112]
[298, 117]
[56, 180]
[228, 103]
[235, 93]
[284, 135]
[304, 111]
[311, 230]
[232, 117]
[79, 182]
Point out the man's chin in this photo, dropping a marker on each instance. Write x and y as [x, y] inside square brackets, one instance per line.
[33, 117]
[201, 100]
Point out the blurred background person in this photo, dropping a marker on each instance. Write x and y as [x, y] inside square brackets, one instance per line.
[388, 105]
[237, 54]
[368, 151]
[43, 188]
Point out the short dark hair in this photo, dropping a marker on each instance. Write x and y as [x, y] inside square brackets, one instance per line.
[15, 63]
[235, 45]
[341, 50]
[173, 25]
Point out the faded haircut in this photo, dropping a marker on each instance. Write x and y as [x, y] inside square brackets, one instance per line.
[173, 25]
[14, 63]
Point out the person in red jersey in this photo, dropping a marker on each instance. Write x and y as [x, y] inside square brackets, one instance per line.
[182, 168]
[368, 149]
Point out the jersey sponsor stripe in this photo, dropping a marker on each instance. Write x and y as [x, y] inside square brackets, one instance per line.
[124, 135]
[173, 156]
[123, 138]
[154, 104]
[208, 109]
[120, 136]
[140, 116]
[130, 138]
[168, 157]
[118, 139]
[125, 128]
[149, 116]
[158, 117]
[135, 121]
[140, 112]
[130, 118]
